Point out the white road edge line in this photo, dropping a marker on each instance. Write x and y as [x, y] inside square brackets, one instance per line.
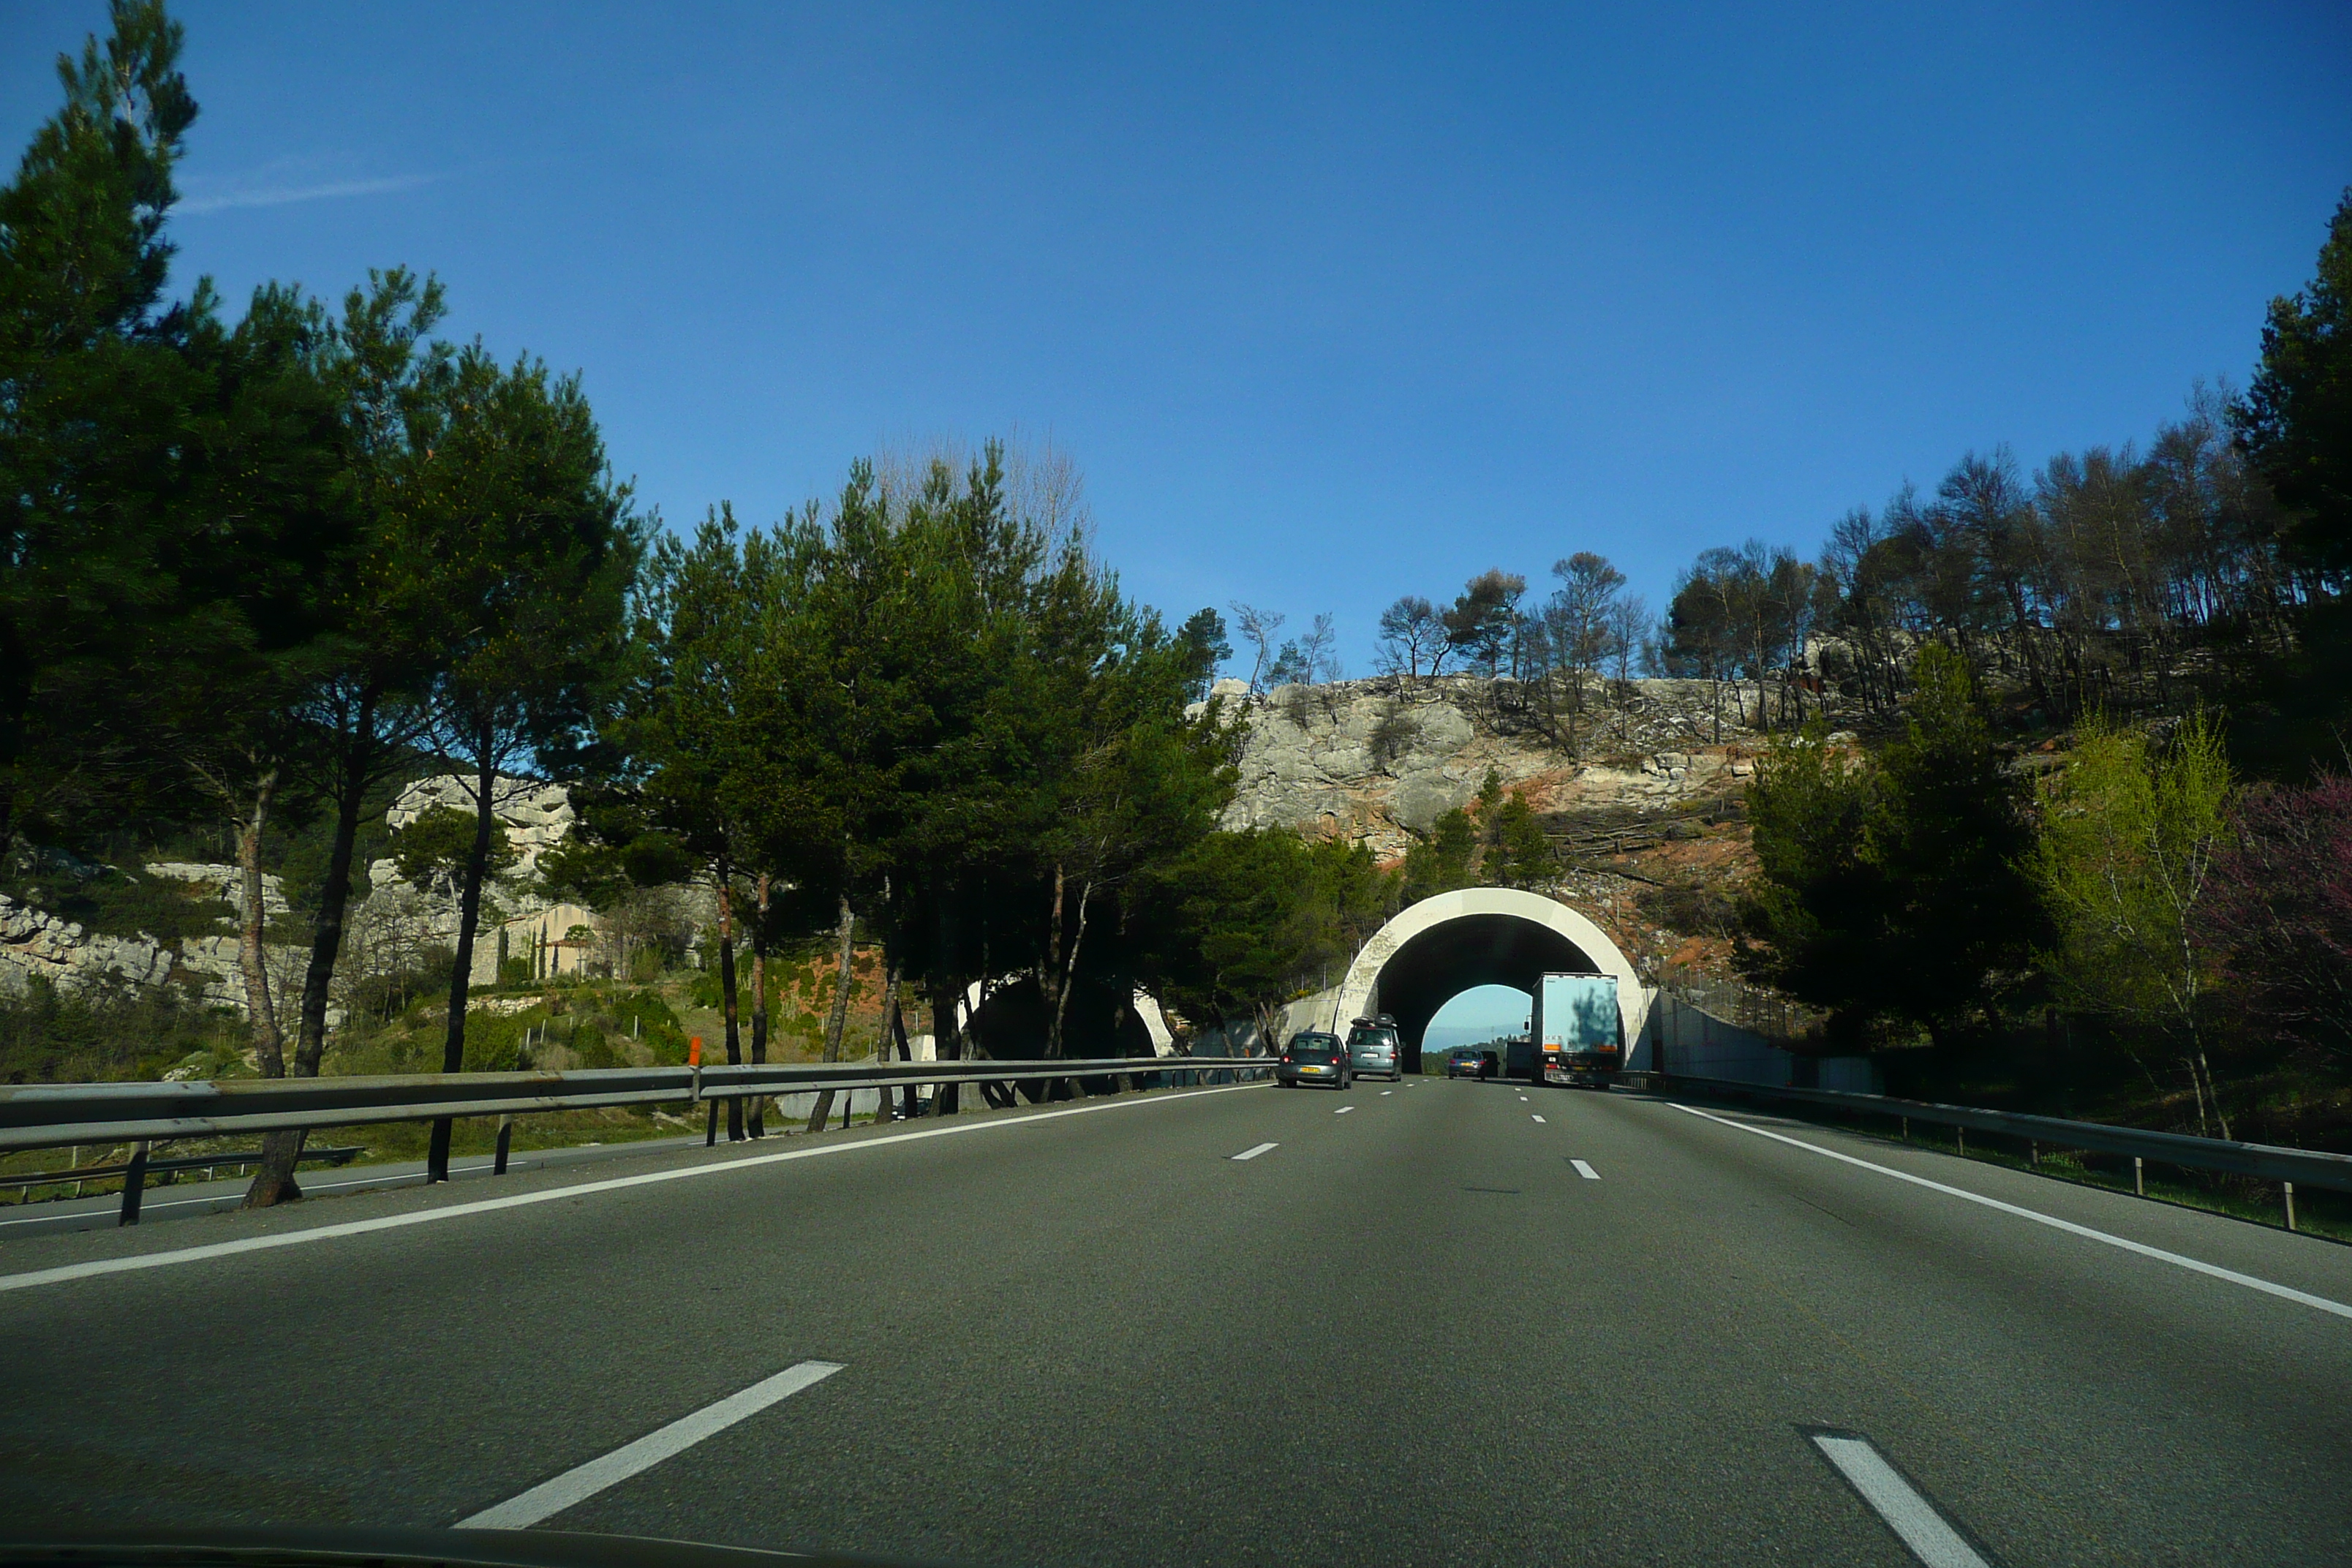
[1914, 1519]
[1586, 1172]
[579, 1484]
[1253, 1153]
[70, 1271]
[2212, 1270]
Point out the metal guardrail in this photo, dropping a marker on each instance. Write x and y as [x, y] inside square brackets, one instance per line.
[54, 1116]
[58, 1115]
[2267, 1161]
[76, 1174]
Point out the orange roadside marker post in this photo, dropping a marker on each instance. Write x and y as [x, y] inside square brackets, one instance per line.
[693, 1061]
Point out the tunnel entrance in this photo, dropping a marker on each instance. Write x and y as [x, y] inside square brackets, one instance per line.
[1445, 945]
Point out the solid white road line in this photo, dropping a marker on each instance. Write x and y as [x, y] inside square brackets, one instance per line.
[1343, 1110]
[1586, 1172]
[2212, 1270]
[548, 1499]
[1911, 1517]
[70, 1271]
[1538, 1119]
[1253, 1153]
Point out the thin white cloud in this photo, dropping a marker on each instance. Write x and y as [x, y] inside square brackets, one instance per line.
[281, 196]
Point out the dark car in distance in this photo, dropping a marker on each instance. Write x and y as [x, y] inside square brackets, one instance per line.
[1312, 1057]
[1467, 1061]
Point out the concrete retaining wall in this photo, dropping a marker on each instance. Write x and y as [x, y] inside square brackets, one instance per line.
[1699, 1045]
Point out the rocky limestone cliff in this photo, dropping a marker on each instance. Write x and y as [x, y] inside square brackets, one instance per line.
[34, 943]
[393, 922]
[1377, 764]
[533, 813]
[37, 944]
[397, 921]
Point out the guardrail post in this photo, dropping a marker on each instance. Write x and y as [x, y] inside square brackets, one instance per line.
[134, 1185]
[436, 1150]
[693, 1061]
[506, 1136]
[2140, 1178]
[2289, 1188]
[1962, 1134]
[2033, 1153]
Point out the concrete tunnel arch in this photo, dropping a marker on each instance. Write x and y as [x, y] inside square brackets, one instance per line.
[1444, 945]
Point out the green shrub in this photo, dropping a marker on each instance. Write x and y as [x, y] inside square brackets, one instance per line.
[48, 1036]
[494, 1040]
[588, 1044]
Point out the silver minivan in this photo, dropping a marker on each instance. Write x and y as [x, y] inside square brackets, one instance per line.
[1373, 1050]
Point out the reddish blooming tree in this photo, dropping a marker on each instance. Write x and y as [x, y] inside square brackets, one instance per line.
[2280, 911]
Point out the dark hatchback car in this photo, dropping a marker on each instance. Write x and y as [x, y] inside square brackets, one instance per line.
[1467, 1061]
[1313, 1057]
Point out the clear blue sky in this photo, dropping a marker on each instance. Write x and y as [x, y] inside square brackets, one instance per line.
[1328, 305]
[1477, 1016]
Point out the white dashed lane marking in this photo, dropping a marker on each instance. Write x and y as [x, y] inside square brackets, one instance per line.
[1253, 1153]
[1586, 1172]
[1538, 1119]
[1915, 1521]
[577, 1485]
[1343, 1110]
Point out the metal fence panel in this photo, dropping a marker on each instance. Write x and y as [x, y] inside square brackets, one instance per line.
[50, 1116]
[2267, 1161]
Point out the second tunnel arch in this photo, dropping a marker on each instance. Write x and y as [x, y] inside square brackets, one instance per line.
[1446, 944]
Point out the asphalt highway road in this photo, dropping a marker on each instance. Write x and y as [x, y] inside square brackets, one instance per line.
[1410, 1328]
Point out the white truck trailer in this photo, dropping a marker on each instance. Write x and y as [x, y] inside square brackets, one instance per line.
[1576, 1030]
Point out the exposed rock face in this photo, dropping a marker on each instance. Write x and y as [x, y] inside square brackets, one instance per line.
[1364, 762]
[534, 815]
[390, 926]
[34, 943]
[1352, 763]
